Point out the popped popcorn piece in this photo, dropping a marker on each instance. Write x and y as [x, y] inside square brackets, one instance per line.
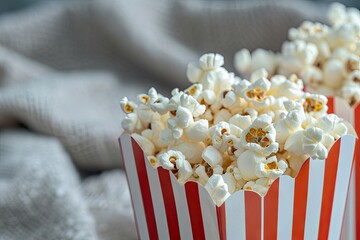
[212, 156]
[191, 150]
[230, 182]
[334, 73]
[351, 93]
[247, 163]
[291, 88]
[234, 170]
[185, 170]
[307, 142]
[127, 106]
[168, 159]
[217, 189]
[246, 63]
[253, 92]
[260, 136]
[241, 121]
[198, 130]
[260, 186]
[203, 173]
[176, 162]
[131, 123]
[271, 168]
[314, 104]
[332, 127]
[291, 123]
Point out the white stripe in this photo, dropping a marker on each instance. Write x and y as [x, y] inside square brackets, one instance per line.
[134, 185]
[346, 155]
[182, 209]
[313, 207]
[157, 200]
[286, 207]
[235, 216]
[208, 211]
[348, 226]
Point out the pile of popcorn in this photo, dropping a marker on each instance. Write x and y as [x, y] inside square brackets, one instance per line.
[326, 58]
[228, 133]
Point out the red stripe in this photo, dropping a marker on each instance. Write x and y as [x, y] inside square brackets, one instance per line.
[252, 215]
[331, 165]
[357, 169]
[127, 178]
[169, 203]
[221, 217]
[330, 105]
[271, 211]
[300, 201]
[193, 201]
[145, 190]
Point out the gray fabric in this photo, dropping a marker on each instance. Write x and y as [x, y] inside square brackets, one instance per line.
[64, 68]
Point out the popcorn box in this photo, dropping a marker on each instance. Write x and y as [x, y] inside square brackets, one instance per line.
[310, 206]
[341, 107]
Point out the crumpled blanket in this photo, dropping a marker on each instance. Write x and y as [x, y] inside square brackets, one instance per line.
[64, 67]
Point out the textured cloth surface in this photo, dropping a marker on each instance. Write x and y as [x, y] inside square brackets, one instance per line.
[63, 69]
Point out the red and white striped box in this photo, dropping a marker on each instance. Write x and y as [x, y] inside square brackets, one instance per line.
[352, 216]
[310, 206]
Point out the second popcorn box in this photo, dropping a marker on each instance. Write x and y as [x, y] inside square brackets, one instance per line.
[231, 158]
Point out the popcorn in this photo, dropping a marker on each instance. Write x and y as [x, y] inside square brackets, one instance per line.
[240, 121]
[228, 133]
[222, 115]
[307, 142]
[154, 133]
[254, 92]
[203, 172]
[334, 73]
[131, 123]
[176, 162]
[351, 93]
[260, 136]
[198, 130]
[314, 104]
[325, 57]
[212, 156]
[271, 168]
[246, 63]
[217, 189]
[291, 123]
[191, 150]
[247, 163]
[234, 171]
[127, 106]
[332, 127]
[184, 170]
[296, 56]
[291, 88]
[230, 182]
[260, 186]
[168, 159]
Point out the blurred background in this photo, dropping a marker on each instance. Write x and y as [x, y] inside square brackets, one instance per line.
[65, 65]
